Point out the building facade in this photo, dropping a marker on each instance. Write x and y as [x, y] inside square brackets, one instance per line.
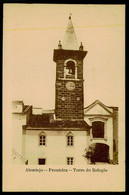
[63, 135]
[104, 132]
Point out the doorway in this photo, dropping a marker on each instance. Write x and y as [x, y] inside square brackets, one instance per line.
[101, 153]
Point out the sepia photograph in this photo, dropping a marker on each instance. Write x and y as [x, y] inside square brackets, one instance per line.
[64, 90]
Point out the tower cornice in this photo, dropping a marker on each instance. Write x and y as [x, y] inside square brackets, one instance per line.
[63, 54]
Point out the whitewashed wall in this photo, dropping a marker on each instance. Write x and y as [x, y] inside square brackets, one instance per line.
[17, 137]
[56, 150]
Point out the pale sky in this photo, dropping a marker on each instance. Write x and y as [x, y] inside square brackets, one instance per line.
[32, 31]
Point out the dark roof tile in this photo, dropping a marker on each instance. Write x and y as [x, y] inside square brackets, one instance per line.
[44, 120]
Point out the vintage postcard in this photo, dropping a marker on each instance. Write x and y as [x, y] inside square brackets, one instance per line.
[64, 97]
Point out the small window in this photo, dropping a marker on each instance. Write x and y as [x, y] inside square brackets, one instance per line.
[70, 140]
[42, 140]
[42, 161]
[98, 129]
[70, 161]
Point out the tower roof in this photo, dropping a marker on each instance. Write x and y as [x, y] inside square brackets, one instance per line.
[70, 40]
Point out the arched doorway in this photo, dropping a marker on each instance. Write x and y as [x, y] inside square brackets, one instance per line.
[101, 153]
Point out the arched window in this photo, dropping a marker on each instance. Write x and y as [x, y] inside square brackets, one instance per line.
[98, 129]
[70, 66]
[70, 139]
[42, 139]
[70, 69]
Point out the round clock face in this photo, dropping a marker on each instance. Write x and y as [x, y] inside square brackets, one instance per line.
[70, 85]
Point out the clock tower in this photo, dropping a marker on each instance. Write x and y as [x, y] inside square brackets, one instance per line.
[69, 100]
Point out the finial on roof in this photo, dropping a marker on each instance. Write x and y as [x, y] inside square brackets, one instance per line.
[70, 16]
[59, 45]
[81, 47]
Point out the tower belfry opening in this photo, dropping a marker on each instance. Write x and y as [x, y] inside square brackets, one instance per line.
[71, 67]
